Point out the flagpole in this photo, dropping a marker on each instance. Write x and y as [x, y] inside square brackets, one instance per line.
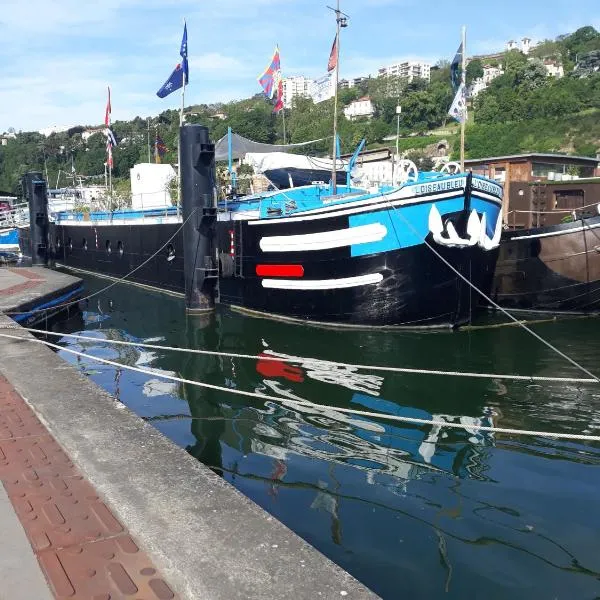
[338, 20]
[283, 117]
[283, 109]
[463, 82]
[184, 65]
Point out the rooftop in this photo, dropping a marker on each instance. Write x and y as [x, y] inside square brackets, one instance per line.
[534, 155]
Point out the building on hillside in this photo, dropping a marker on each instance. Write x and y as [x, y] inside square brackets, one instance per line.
[490, 72]
[554, 68]
[476, 87]
[86, 135]
[518, 172]
[48, 131]
[525, 46]
[407, 70]
[350, 83]
[295, 86]
[363, 107]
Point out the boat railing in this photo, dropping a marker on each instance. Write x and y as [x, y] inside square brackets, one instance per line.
[565, 211]
[119, 215]
[17, 215]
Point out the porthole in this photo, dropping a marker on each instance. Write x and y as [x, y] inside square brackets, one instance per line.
[84, 244]
[170, 253]
[58, 244]
[70, 244]
[108, 247]
[120, 247]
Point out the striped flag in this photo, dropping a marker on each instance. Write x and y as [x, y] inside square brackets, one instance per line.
[108, 110]
[333, 56]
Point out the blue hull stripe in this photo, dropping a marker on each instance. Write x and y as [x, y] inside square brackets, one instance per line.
[400, 235]
[50, 304]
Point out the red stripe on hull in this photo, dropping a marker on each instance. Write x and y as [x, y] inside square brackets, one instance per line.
[280, 270]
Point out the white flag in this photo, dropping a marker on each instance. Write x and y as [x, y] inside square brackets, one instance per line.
[322, 89]
[458, 110]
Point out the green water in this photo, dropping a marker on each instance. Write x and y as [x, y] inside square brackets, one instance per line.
[411, 511]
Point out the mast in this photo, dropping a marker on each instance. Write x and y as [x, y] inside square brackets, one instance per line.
[148, 125]
[341, 20]
[463, 84]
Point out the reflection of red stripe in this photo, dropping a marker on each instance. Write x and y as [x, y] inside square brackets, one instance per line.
[280, 270]
[277, 368]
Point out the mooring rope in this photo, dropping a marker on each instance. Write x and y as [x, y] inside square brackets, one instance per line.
[111, 285]
[485, 296]
[309, 404]
[300, 359]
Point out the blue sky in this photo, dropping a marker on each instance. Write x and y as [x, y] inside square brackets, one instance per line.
[57, 57]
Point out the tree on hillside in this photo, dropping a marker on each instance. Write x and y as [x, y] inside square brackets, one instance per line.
[531, 75]
[513, 60]
[474, 70]
[585, 39]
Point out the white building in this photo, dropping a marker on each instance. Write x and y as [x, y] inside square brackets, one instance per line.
[363, 107]
[554, 68]
[408, 70]
[489, 74]
[48, 131]
[525, 46]
[86, 135]
[295, 86]
[350, 83]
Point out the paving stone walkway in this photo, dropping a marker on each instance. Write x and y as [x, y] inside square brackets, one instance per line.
[81, 548]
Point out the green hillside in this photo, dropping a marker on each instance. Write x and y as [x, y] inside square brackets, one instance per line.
[523, 110]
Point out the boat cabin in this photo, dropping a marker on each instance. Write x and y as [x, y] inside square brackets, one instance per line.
[543, 189]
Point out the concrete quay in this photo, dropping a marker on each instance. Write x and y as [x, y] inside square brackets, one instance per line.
[192, 535]
[33, 294]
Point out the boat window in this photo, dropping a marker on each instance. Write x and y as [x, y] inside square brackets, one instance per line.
[120, 247]
[108, 248]
[57, 241]
[84, 244]
[70, 244]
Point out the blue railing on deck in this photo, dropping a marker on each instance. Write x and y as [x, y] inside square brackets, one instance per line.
[121, 215]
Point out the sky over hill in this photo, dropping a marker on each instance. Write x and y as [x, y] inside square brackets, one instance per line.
[56, 58]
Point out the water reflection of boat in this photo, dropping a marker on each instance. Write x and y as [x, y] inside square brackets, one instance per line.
[288, 428]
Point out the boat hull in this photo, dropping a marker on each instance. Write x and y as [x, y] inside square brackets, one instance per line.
[377, 267]
[555, 268]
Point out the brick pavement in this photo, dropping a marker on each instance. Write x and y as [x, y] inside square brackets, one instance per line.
[82, 548]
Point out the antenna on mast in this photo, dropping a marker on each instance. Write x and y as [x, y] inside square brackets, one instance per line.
[341, 20]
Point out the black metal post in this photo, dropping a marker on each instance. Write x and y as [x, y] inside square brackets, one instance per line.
[34, 188]
[199, 211]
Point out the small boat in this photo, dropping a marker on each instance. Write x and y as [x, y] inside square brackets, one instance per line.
[553, 268]
[10, 216]
[549, 258]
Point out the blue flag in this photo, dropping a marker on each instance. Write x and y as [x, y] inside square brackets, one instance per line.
[176, 79]
[184, 54]
[454, 67]
[175, 82]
